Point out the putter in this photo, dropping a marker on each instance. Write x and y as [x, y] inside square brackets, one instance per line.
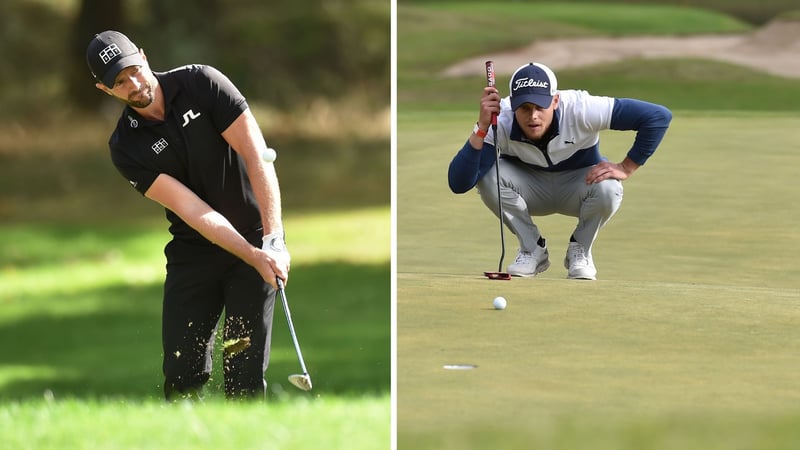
[499, 275]
[300, 381]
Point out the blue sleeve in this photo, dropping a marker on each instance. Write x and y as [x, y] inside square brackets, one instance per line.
[648, 119]
[468, 166]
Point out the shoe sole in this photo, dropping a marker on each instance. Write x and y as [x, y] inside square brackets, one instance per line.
[581, 278]
[578, 277]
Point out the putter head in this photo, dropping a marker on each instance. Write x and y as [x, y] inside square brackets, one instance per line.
[497, 275]
[301, 381]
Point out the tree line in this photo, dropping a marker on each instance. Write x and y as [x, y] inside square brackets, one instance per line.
[281, 53]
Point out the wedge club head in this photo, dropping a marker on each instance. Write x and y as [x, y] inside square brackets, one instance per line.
[301, 381]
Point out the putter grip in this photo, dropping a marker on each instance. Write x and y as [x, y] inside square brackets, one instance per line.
[490, 73]
[490, 81]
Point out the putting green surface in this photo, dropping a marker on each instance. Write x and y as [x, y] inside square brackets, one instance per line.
[689, 338]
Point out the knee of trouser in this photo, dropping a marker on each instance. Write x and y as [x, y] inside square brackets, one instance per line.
[608, 193]
[487, 188]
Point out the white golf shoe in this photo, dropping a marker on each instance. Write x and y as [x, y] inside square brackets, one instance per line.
[578, 264]
[529, 264]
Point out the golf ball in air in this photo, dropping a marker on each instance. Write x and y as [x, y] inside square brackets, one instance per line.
[499, 303]
[269, 155]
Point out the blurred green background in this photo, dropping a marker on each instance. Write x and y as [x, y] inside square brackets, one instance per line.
[316, 74]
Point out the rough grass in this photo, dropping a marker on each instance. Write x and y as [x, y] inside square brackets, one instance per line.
[746, 10]
[123, 424]
[80, 341]
[755, 13]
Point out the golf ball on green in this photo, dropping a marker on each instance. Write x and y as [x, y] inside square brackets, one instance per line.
[499, 303]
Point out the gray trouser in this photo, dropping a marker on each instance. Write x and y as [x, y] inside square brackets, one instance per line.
[530, 192]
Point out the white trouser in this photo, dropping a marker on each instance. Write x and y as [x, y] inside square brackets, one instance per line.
[530, 192]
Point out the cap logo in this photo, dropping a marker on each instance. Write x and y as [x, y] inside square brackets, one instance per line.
[108, 53]
[528, 82]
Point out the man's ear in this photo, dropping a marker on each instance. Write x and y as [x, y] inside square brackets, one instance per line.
[556, 99]
[103, 88]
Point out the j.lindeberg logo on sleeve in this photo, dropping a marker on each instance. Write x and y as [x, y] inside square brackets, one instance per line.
[160, 145]
[189, 115]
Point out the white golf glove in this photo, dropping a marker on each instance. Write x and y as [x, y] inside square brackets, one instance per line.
[275, 246]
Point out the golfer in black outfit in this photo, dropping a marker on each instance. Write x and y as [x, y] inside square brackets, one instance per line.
[188, 141]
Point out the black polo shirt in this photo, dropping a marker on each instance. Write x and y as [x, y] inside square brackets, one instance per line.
[201, 103]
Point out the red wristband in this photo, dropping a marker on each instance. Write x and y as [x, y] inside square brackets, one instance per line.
[478, 132]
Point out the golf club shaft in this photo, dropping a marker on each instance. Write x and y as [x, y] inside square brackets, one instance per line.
[282, 292]
[490, 81]
[499, 203]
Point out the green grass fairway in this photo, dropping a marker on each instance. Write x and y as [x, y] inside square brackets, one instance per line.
[331, 423]
[690, 339]
[80, 342]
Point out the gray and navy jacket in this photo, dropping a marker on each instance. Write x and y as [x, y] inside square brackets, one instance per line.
[572, 142]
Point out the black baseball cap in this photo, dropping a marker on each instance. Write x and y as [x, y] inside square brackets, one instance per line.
[110, 52]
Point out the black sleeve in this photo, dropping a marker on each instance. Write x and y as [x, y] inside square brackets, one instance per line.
[225, 102]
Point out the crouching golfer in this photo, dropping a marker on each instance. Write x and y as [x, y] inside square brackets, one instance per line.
[188, 140]
[550, 162]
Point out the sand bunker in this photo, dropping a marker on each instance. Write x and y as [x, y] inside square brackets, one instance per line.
[774, 49]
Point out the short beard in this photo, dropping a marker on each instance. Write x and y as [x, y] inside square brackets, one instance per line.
[142, 103]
